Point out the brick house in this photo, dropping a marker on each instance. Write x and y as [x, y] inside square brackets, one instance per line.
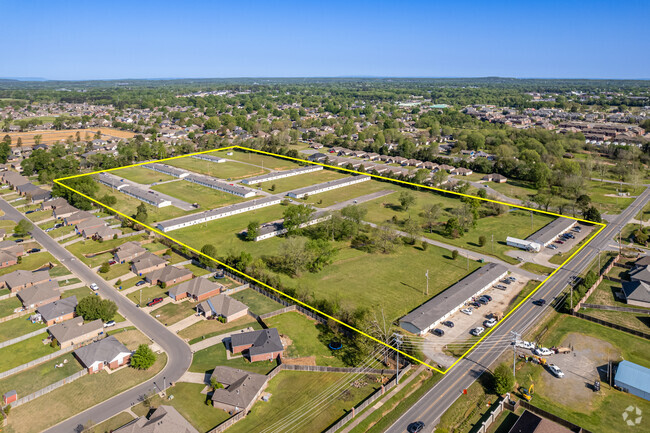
[198, 289]
[58, 311]
[146, 263]
[261, 345]
[222, 306]
[75, 331]
[108, 352]
[169, 275]
[19, 280]
[128, 252]
[39, 294]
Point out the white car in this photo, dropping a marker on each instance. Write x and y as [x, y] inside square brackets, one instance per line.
[94, 287]
[543, 351]
[490, 323]
[109, 324]
[477, 331]
[467, 311]
[525, 344]
[555, 370]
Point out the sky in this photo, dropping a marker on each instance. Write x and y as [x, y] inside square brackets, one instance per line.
[73, 40]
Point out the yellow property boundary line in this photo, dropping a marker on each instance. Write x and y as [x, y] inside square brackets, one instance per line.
[59, 182]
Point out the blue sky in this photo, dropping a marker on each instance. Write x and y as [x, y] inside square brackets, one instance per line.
[456, 38]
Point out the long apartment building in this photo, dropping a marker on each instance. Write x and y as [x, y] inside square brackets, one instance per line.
[327, 186]
[220, 185]
[167, 169]
[202, 217]
[281, 174]
[211, 158]
[147, 196]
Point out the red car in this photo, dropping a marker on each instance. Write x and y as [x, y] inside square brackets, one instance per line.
[154, 302]
[111, 262]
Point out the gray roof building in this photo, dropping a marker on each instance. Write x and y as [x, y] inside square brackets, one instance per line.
[129, 251]
[261, 341]
[165, 419]
[21, 278]
[208, 157]
[281, 174]
[222, 305]
[549, 232]
[241, 388]
[103, 350]
[327, 186]
[75, 330]
[637, 293]
[57, 309]
[167, 169]
[39, 294]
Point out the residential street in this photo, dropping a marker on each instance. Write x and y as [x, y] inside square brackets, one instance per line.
[178, 352]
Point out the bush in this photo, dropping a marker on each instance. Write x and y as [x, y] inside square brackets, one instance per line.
[104, 268]
[454, 254]
[503, 379]
[425, 245]
[481, 241]
[143, 358]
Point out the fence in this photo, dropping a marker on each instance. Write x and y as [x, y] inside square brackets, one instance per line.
[21, 338]
[615, 308]
[277, 312]
[16, 315]
[36, 362]
[7, 296]
[612, 325]
[229, 422]
[236, 289]
[50, 388]
[591, 290]
[554, 418]
[323, 369]
[126, 235]
[491, 416]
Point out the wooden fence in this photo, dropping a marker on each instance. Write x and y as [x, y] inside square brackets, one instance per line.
[612, 325]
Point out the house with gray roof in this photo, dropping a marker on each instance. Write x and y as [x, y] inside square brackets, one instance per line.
[58, 311]
[21, 279]
[169, 275]
[637, 292]
[165, 419]
[260, 345]
[222, 306]
[108, 352]
[547, 234]
[129, 251]
[75, 331]
[198, 289]
[241, 388]
[39, 294]
[147, 262]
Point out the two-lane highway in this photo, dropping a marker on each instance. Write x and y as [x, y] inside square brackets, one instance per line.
[435, 402]
[179, 356]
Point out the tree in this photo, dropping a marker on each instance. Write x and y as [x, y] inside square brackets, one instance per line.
[143, 358]
[503, 379]
[93, 308]
[104, 268]
[583, 202]
[355, 213]
[252, 231]
[411, 228]
[295, 216]
[592, 214]
[108, 200]
[141, 213]
[23, 228]
[406, 199]
[431, 214]
[210, 251]
[454, 254]
[453, 228]
[481, 241]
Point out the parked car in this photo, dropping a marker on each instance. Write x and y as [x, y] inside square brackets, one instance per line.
[543, 351]
[525, 344]
[29, 211]
[555, 370]
[141, 282]
[488, 297]
[34, 250]
[490, 323]
[477, 331]
[112, 262]
[109, 324]
[467, 311]
[19, 240]
[49, 230]
[539, 302]
[559, 242]
[154, 301]
[475, 305]
[415, 427]
[448, 324]
[94, 287]
[501, 287]
[439, 332]
[58, 225]
[482, 300]
[551, 246]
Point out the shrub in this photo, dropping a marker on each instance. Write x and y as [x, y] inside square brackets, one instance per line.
[143, 358]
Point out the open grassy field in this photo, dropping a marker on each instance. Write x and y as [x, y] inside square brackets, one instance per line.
[16, 327]
[53, 136]
[207, 198]
[230, 170]
[301, 180]
[80, 292]
[209, 328]
[291, 390]
[514, 189]
[304, 338]
[190, 403]
[40, 376]
[271, 162]
[174, 312]
[257, 303]
[604, 196]
[77, 396]
[23, 352]
[142, 175]
[206, 359]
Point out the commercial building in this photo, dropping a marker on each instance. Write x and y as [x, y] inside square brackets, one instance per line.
[428, 315]
[523, 244]
[327, 186]
[633, 378]
[281, 174]
[547, 234]
[202, 217]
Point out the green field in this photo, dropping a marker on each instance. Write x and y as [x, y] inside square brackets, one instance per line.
[209, 328]
[514, 188]
[16, 327]
[40, 376]
[304, 338]
[142, 175]
[267, 161]
[23, 352]
[207, 198]
[256, 302]
[206, 359]
[225, 170]
[80, 292]
[293, 390]
[174, 312]
[301, 180]
[116, 270]
[537, 268]
[600, 195]
[39, 215]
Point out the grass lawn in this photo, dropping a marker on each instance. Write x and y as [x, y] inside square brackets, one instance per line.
[467, 409]
[4, 292]
[301, 180]
[350, 192]
[528, 288]
[207, 198]
[230, 170]
[116, 270]
[39, 215]
[155, 246]
[80, 292]
[209, 328]
[638, 322]
[257, 303]
[600, 193]
[190, 403]
[514, 188]
[291, 390]
[81, 248]
[644, 214]
[16, 327]
[206, 359]
[174, 312]
[129, 283]
[78, 396]
[142, 175]
[304, 338]
[40, 376]
[23, 352]
[31, 262]
[59, 271]
[536, 268]
[267, 161]
[8, 306]
[68, 282]
[61, 231]
[148, 293]
[112, 423]
[196, 270]
[131, 338]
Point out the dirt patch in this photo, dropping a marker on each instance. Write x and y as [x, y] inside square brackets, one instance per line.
[307, 360]
[585, 364]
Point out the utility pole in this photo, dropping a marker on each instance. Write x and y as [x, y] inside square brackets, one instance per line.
[398, 343]
[467, 255]
[492, 243]
[140, 297]
[531, 220]
[515, 339]
[427, 275]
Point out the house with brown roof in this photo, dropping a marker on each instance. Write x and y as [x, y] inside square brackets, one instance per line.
[169, 275]
[19, 280]
[12, 247]
[7, 259]
[103, 233]
[198, 289]
[77, 217]
[75, 331]
[54, 203]
[146, 263]
[261, 345]
[39, 294]
[128, 252]
[89, 224]
[222, 306]
[461, 171]
[64, 211]
[13, 179]
[495, 177]
[241, 389]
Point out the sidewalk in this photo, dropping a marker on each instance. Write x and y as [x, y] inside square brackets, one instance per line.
[188, 321]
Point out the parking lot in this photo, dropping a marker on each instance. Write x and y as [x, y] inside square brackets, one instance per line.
[434, 345]
[546, 253]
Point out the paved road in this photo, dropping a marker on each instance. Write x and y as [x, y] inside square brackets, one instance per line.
[435, 402]
[178, 352]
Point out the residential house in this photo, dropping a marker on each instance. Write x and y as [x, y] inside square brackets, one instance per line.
[222, 306]
[75, 331]
[77, 217]
[165, 419]
[39, 294]
[58, 311]
[495, 177]
[13, 179]
[240, 391]
[108, 352]
[7, 259]
[64, 211]
[128, 252]
[102, 233]
[169, 275]
[12, 247]
[88, 224]
[19, 280]
[637, 292]
[198, 289]
[261, 345]
[461, 171]
[146, 263]
[54, 203]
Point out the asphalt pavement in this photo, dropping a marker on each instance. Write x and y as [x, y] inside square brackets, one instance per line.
[436, 401]
[179, 355]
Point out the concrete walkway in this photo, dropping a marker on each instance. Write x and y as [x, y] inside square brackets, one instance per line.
[217, 339]
[201, 378]
[188, 321]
